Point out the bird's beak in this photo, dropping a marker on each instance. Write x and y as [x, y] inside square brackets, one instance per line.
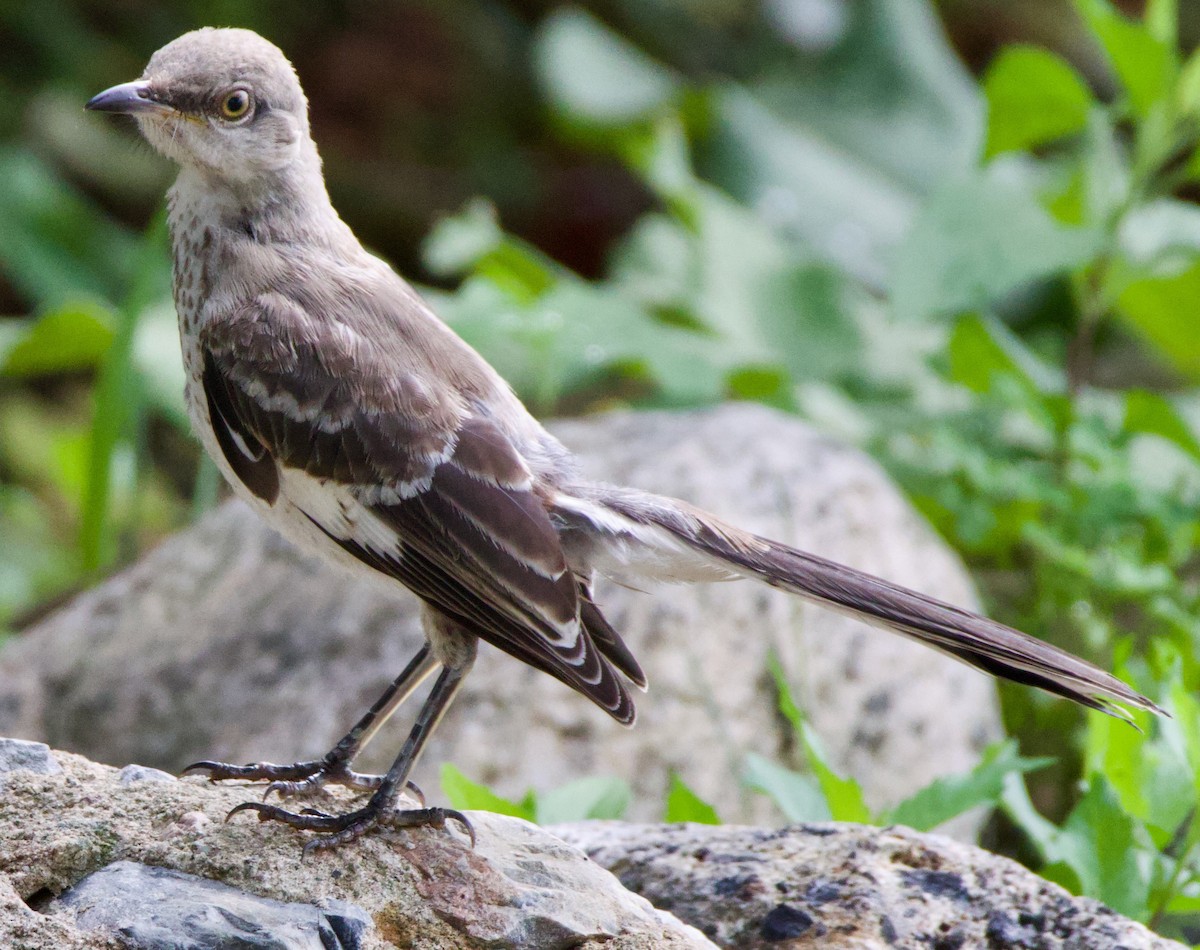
[128, 98]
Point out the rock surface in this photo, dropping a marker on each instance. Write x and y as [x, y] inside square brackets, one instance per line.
[30, 756]
[89, 861]
[226, 643]
[849, 887]
[154, 908]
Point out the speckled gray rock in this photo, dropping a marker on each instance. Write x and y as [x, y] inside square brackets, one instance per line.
[424, 888]
[152, 908]
[140, 773]
[31, 756]
[225, 643]
[849, 887]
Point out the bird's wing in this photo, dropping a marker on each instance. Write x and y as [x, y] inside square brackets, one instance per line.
[403, 472]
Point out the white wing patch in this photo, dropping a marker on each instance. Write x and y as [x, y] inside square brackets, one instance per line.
[336, 510]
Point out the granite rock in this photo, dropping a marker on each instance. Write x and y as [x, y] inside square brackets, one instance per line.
[87, 861]
[850, 887]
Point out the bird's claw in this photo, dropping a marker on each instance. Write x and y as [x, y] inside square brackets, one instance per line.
[307, 788]
[299, 780]
[255, 771]
[342, 829]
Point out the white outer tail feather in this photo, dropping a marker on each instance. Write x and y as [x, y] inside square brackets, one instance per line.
[647, 535]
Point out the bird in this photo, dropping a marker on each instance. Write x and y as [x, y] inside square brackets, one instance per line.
[362, 428]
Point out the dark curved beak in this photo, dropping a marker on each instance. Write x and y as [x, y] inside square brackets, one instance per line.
[128, 98]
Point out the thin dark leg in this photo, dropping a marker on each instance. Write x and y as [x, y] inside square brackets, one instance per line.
[381, 810]
[309, 778]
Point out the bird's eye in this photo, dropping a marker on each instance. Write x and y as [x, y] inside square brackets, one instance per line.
[236, 104]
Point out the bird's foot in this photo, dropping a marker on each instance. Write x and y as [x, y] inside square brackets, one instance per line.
[299, 780]
[338, 830]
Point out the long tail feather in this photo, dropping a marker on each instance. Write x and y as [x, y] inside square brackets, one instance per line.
[975, 640]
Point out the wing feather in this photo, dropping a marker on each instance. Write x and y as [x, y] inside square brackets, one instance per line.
[287, 393]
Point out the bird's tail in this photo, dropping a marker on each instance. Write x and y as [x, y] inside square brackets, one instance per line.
[675, 532]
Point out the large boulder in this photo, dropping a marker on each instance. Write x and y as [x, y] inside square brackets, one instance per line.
[94, 858]
[849, 887]
[225, 642]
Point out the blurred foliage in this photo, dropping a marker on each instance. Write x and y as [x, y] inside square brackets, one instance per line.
[980, 262]
[592, 796]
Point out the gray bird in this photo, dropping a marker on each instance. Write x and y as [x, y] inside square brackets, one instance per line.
[362, 428]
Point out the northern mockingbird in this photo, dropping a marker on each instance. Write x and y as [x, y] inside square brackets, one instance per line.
[360, 427]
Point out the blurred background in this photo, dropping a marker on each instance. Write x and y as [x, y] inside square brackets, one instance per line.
[961, 235]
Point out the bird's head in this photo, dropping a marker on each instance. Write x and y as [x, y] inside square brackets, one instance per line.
[223, 101]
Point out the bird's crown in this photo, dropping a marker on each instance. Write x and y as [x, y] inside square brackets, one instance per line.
[225, 101]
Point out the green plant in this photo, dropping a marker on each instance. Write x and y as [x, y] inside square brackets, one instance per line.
[111, 317]
[582, 798]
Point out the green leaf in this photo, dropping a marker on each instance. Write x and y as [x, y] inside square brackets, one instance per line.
[837, 150]
[54, 244]
[893, 96]
[72, 338]
[1149, 774]
[950, 796]
[685, 805]
[1020, 809]
[574, 332]
[590, 797]
[592, 74]
[788, 707]
[982, 349]
[473, 242]
[979, 239]
[770, 385]
[1154, 414]
[1104, 846]
[1162, 311]
[1162, 21]
[119, 401]
[798, 796]
[843, 795]
[806, 317]
[1100, 851]
[778, 319]
[1034, 97]
[1144, 64]
[834, 201]
[1107, 176]
[1187, 90]
[458, 242]
[1161, 236]
[464, 794]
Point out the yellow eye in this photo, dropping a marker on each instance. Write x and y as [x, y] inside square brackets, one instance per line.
[236, 104]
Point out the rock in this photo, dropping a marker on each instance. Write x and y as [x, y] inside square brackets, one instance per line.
[24, 928]
[31, 756]
[226, 643]
[849, 887]
[152, 908]
[140, 773]
[90, 863]
[87, 861]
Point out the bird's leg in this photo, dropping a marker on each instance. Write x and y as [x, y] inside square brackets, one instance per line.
[381, 810]
[307, 779]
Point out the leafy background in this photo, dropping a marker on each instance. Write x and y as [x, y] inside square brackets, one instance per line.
[963, 236]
